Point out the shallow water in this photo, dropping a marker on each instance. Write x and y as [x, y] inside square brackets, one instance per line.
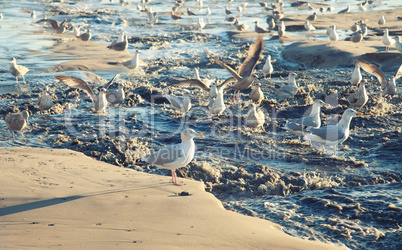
[352, 199]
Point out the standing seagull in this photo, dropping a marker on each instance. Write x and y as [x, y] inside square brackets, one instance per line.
[333, 36]
[398, 43]
[255, 117]
[313, 120]
[309, 27]
[360, 97]
[289, 90]
[387, 40]
[121, 46]
[100, 101]
[332, 135]
[18, 70]
[259, 29]
[356, 75]
[256, 94]
[267, 68]
[217, 105]
[17, 122]
[45, 102]
[175, 156]
[86, 36]
[134, 63]
[245, 76]
[381, 21]
[181, 104]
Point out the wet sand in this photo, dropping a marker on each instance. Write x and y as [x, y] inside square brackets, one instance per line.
[54, 198]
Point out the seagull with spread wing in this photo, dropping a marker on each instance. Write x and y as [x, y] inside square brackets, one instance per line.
[245, 77]
[388, 86]
[60, 28]
[100, 101]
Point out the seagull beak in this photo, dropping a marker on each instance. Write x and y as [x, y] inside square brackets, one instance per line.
[200, 135]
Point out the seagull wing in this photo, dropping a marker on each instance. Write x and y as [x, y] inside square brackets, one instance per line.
[252, 58]
[191, 83]
[372, 69]
[107, 85]
[166, 156]
[226, 82]
[52, 22]
[94, 78]
[228, 68]
[78, 83]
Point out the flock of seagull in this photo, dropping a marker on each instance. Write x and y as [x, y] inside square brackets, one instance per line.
[179, 155]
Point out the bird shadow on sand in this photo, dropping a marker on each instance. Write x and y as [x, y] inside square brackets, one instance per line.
[60, 200]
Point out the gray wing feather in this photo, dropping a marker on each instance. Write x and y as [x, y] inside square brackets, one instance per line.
[165, 155]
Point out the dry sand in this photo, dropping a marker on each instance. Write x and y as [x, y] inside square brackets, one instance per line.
[53, 198]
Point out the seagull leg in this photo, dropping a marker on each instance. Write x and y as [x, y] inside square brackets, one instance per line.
[16, 78]
[13, 135]
[174, 179]
[23, 79]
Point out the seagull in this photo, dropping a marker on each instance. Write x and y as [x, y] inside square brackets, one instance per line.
[313, 120]
[18, 70]
[240, 27]
[347, 10]
[192, 83]
[121, 46]
[388, 86]
[86, 36]
[217, 105]
[268, 68]
[113, 97]
[181, 104]
[133, 63]
[255, 117]
[355, 27]
[76, 31]
[256, 94]
[332, 135]
[227, 11]
[45, 102]
[209, 12]
[1, 16]
[356, 76]
[60, 28]
[289, 90]
[333, 36]
[201, 23]
[100, 101]
[176, 155]
[362, 7]
[174, 16]
[360, 97]
[33, 14]
[17, 122]
[245, 76]
[381, 21]
[387, 40]
[271, 23]
[357, 37]
[281, 29]
[258, 29]
[118, 96]
[398, 43]
[309, 27]
[312, 17]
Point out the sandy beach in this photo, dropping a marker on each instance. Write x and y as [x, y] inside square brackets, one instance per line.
[57, 198]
